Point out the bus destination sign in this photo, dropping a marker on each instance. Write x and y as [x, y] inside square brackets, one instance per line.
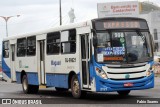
[121, 24]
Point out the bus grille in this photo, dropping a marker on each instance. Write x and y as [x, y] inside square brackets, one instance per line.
[131, 73]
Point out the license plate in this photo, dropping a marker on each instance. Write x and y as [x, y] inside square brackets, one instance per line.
[128, 84]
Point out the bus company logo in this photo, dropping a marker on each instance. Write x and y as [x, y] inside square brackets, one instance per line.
[55, 63]
[127, 76]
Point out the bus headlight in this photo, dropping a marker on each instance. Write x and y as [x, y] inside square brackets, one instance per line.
[153, 68]
[149, 72]
[101, 73]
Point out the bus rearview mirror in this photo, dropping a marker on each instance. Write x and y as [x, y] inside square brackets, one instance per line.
[153, 44]
[94, 41]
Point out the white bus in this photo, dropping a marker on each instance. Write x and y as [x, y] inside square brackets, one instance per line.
[100, 55]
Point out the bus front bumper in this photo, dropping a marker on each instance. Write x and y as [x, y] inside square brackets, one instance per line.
[109, 85]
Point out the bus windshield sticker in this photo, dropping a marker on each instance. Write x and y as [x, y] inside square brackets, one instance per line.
[100, 50]
[113, 58]
[100, 58]
[111, 51]
[122, 40]
[118, 50]
[118, 35]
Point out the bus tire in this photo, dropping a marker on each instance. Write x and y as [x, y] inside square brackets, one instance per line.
[28, 89]
[76, 89]
[61, 89]
[124, 93]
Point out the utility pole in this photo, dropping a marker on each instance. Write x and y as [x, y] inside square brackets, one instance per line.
[6, 20]
[60, 12]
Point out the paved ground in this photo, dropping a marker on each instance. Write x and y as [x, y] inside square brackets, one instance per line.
[13, 90]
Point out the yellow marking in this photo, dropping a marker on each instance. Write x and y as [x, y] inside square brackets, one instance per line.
[42, 86]
[140, 7]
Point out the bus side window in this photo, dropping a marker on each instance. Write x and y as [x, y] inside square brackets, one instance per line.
[31, 46]
[53, 43]
[6, 49]
[21, 47]
[68, 41]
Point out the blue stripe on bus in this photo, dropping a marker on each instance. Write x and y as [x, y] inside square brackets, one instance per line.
[52, 80]
[57, 80]
[79, 78]
[6, 69]
[151, 63]
[113, 85]
[18, 77]
[32, 77]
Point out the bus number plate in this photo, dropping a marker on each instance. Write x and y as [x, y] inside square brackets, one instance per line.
[128, 84]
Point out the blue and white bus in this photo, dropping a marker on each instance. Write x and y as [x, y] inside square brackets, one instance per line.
[100, 55]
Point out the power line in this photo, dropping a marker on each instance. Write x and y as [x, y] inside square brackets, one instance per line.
[53, 21]
[53, 24]
[65, 21]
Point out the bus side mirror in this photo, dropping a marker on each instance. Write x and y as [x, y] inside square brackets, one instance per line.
[94, 41]
[153, 44]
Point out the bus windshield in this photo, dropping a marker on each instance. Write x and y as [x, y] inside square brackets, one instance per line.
[123, 47]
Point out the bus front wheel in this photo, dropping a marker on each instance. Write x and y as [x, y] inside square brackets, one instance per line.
[123, 93]
[28, 89]
[76, 89]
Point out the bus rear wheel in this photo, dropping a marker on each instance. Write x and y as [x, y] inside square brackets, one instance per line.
[123, 93]
[28, 89]
[76, 89]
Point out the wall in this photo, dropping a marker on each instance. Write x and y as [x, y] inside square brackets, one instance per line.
[153, 19]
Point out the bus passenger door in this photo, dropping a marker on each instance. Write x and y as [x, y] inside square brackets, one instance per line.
[84, 43]
[13, 72]
[42, 61]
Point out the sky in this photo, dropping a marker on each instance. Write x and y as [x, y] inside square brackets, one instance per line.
[37, 15]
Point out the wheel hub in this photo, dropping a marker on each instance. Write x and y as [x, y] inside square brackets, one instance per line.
[76, 86]
[25, 84]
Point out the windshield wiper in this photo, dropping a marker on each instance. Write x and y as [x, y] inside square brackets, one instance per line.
[142, 36]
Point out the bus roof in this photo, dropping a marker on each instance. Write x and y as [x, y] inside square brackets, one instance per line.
[70, 26]
[54, 29]
[119, 18]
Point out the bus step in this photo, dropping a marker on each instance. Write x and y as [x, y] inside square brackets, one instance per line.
[42, 86]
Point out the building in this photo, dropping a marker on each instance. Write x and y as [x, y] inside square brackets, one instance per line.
[151, 12]
[147, 10]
